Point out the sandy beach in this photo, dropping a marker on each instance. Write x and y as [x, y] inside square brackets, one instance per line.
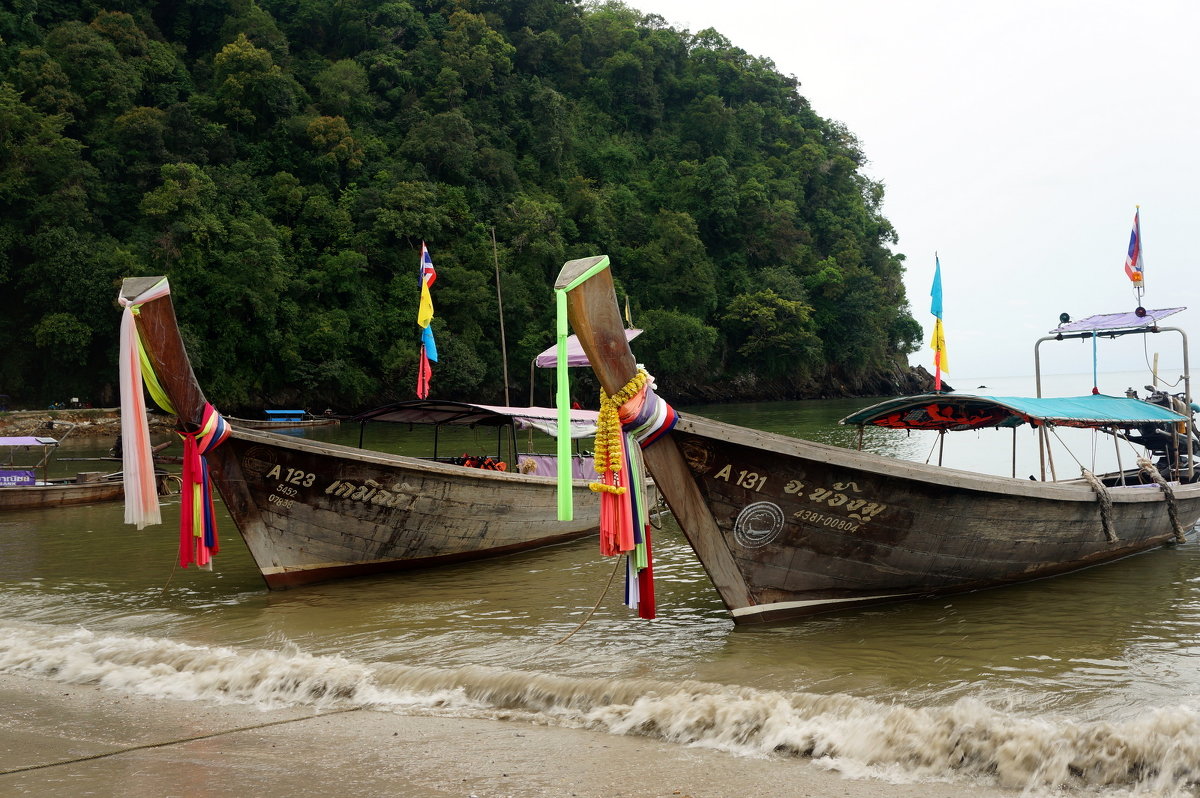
[70, 740]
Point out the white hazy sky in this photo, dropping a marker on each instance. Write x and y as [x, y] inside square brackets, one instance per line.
[1014, 139]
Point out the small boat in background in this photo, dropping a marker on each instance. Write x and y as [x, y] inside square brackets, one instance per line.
[284, 419]
[29, 486]
[787, 528]
[311, 511]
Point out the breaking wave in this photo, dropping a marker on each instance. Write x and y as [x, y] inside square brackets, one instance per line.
[966, 741]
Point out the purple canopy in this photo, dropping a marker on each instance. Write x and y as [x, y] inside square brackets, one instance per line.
[429, 411]
[1116, 321]
[575, 355]
[28, 441]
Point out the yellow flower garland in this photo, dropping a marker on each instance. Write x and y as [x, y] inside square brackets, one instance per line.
[609, 452]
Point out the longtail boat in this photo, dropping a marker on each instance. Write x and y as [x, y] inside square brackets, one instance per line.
[28, 486]
[787, 528]
[284, 419]
[311, 511]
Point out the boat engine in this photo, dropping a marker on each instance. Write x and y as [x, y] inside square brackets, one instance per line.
[1169, 443]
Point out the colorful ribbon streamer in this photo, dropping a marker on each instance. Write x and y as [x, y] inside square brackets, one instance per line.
[141, 491]
[197, 521]
[632, 415]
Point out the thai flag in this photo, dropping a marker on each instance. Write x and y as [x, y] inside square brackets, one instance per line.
[428, 273]
[1133, 258]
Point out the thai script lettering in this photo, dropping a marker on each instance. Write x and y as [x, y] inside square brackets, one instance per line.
[17, 478]
[370, 492]
[838, 496]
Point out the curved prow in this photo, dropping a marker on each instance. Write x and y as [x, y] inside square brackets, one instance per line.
[163, 345]
[595, 317]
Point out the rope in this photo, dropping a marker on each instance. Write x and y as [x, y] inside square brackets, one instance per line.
[660, 506]
[586, 618]
[1105, 500]
[1168, 495]
[1054, 432]
[178, 741]
[929, 456]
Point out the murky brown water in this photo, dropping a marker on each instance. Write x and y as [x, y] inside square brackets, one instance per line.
[1115, 645]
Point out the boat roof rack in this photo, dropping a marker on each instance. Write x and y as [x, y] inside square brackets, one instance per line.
[1114, 324]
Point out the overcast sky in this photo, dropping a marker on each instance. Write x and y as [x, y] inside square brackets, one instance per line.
[1014, 140]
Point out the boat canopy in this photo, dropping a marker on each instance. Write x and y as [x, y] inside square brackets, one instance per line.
[28, 441]
[421, 411]
[575, 356]
[1138, 320]
[935, 411]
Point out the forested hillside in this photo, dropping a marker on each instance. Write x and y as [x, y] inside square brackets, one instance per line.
[282, 161]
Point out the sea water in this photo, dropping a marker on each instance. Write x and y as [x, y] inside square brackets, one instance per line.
[1090, 680]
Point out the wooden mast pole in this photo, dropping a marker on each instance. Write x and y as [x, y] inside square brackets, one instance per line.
[500, 308]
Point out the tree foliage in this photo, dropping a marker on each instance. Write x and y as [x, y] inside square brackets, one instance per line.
[282, 161]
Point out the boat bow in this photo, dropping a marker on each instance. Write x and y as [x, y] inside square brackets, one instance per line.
[595, 316]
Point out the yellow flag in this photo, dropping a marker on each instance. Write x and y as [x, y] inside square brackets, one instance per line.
[938, 345]
[425, 310]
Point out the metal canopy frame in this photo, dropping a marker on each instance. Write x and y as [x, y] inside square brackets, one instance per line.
[1151, 327]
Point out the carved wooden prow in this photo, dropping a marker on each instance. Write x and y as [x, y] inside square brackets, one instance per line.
[595, 318]
[159, 332]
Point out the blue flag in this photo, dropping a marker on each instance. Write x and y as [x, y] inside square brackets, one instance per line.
[427, 342]
[936, 292]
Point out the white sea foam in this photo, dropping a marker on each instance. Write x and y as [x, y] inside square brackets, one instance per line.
[1157, 752]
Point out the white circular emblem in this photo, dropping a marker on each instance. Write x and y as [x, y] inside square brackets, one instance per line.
[758, 524]
[257, 461]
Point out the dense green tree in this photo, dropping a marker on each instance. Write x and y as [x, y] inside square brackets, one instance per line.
[775, 334]
[676, 345]
[283, 160]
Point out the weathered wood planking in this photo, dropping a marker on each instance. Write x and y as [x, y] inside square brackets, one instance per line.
[787, 528]
[36, 497]
[312, 511]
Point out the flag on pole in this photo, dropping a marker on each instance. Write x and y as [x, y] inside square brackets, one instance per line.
[424, 318]
[938, 343]
[1133, 258]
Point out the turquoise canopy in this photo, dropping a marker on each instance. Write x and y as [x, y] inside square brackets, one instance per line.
[938, 411]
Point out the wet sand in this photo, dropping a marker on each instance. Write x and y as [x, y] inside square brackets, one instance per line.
[68, 740]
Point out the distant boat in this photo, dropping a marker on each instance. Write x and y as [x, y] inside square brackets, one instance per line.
[787, 528]
[284, 419]
[21, 487]
[312, 511]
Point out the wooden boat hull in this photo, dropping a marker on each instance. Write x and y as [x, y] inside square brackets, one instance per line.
[311, 511]
[787, 528]
[37, 497]
[812, 528]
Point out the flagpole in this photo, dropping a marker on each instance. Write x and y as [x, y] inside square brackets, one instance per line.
[1135, 260]
[939, 333]
[500, 306]
[1141, 286]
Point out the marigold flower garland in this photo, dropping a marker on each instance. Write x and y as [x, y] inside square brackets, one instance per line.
[610, 439]
[630, 420]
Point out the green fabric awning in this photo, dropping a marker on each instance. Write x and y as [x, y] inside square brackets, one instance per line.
[963, 411]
